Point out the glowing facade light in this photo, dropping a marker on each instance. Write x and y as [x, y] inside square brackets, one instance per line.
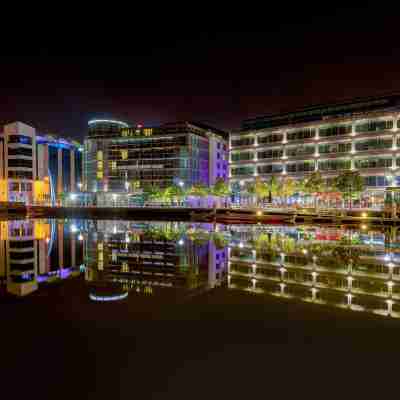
[241, 245]
[181, 242]
[80, 237]
[363, 226]
[305, 251]
[259, 213]
[108, 298]
[109, 121]
[387, 257]
[181, 183]
[73, 196]
[73, 228]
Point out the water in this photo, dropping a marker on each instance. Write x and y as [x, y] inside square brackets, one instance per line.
[120, 261]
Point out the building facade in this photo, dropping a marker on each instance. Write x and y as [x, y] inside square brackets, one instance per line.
[119, 156]
[360, 135]
[37, 169]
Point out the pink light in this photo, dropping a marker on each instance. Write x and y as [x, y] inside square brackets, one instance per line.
[140, 126]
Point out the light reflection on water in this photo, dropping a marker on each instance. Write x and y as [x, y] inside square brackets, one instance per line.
[339, 267]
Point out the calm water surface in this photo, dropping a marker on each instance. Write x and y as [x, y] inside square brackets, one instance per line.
[338, 267]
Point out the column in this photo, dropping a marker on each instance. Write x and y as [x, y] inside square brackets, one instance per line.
[253, 284]
[353, 129]
[284, 139]
[316, 134]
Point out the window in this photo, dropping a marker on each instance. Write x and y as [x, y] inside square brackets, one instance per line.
[301, 134]
[99, 155]
[335, 130]
[242, 156]
[218, 156]
[373, 162]
[270, 169]
[274, 138]
[334, 165]
[20, 151]
[218, 145]
[374, 125]
[300, 150]
[20, 175]
[270, 154]
[248, 141]
[19, 163]
[374, 144]
[242, 171]
[19, 139]
[124, 154]
[334, 148]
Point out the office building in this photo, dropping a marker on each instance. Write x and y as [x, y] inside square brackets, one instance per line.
[119, 157]
[36, 168]
[360, 135]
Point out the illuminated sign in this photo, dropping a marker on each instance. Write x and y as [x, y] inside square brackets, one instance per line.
[139, 131]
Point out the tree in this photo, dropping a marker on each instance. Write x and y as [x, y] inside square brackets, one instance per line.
[287, 188]
[314, 184]
[350, 183]
[273, 188]
[152, 193]
[261, 189]
[220, 189]
[174, 193]
[199, 190]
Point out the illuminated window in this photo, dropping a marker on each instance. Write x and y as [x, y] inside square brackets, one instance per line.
[147, 131]
[113, 165]
[99, 174]
[99, 155]
[124, 154]
[100, 165]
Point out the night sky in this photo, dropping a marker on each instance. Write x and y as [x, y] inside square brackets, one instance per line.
[198, 65]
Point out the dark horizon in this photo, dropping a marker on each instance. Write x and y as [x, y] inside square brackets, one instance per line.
[186, 70]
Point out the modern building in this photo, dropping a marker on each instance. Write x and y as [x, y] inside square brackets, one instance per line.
[37, 168]
[361, 134]
[119, 157]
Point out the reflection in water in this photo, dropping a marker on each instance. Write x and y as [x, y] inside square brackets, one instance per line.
[128, 257]
[32, 252]
[344, 268]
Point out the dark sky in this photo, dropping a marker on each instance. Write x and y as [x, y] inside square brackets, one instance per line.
[197, 65]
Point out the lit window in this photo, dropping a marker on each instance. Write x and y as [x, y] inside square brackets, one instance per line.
[99, 155]
[124, 154]
[113, 165]
[100, 165]
[99, 174]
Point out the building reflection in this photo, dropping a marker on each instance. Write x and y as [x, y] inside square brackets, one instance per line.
[341, 268]
[35, 251]
[150, 257]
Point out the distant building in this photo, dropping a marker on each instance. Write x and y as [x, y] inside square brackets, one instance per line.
[37, 168]
[117, 156]
[361, 134]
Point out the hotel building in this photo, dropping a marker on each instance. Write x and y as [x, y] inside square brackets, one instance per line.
[35, 168]
[116, 155]
[360, 135]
